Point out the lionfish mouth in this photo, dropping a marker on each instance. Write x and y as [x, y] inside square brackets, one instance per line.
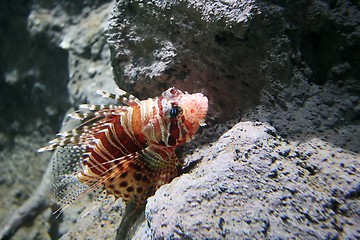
[202, 123]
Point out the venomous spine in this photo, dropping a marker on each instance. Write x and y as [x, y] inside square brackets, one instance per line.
[125, 151]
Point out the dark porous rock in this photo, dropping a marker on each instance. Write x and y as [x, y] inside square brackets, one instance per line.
[45, 46]
[78, 29]
[225, 49]
[230, 193]
[32, 72]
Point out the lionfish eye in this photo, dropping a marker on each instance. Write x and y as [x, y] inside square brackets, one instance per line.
[175, 111]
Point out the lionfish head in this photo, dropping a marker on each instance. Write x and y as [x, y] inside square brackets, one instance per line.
[185, 113]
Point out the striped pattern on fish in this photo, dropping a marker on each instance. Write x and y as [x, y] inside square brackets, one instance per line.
[125, 151]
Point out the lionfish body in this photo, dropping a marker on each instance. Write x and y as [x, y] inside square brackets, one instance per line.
[125, 151]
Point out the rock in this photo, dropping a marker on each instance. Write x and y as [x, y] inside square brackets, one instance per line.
[79, 30]
[29, 68]
[207, 46]
[42, 42]
[231, 195]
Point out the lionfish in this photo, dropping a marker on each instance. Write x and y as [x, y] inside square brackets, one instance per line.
[126, 151]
